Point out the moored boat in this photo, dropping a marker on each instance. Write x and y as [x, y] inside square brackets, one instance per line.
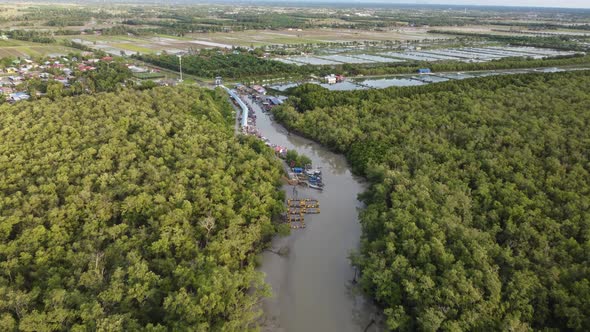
[316, 186]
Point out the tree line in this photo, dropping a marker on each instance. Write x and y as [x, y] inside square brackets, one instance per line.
[29, 35]
[563, 42]
[477, 216]
[237, 65]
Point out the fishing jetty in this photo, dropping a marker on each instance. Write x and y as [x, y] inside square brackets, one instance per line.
[298, 208]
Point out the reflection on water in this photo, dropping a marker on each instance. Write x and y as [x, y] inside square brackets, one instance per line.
[283, 87]
[312, 284]
[387, 82]
[431, 78]
[337, 163]
[343, 86]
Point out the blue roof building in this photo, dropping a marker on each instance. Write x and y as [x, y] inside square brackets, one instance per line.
[274, 100]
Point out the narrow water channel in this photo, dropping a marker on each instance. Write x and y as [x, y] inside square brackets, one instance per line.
[312, 284]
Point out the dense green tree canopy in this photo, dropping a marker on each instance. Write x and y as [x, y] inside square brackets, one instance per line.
[478, 213]
[131, 211]
[240, 65]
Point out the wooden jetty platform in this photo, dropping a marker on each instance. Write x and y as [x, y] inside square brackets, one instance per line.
[304, 210]
[298, 208]
[307, 202]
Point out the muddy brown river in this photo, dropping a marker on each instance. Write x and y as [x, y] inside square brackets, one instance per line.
[312, 285]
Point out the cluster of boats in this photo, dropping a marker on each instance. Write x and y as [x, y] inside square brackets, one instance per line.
[307, 176]
[310, 177]
[298, 208]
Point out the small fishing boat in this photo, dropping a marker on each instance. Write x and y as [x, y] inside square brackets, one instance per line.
[315, 178]
[312, 172]
[316, 186]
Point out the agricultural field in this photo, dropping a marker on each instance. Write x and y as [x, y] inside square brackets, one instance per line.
[17, 48]
[505, 30]
[55, 16]
[120, 29]
[327, 35]
[250, 38]
[143, 44]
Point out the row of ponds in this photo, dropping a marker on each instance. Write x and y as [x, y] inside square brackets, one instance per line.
[408, 80]
[464, 54]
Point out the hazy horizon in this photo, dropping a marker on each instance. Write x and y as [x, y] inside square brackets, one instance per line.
[566, 4]
[581, 4]
[508, 3]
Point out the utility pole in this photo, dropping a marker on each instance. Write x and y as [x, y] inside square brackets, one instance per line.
[180, 64]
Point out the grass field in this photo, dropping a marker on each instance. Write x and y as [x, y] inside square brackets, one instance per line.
[267, 37]
[107, 39]
[17, 48]
[145, 76]
[132, 47]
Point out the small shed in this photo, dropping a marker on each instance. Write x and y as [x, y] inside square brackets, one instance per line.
[330, 79]
[18, 96]
[274, 100]
[424, 71]
[259, 89]
[297, 170]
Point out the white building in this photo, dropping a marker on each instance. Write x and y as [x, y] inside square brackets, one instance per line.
[330, 79]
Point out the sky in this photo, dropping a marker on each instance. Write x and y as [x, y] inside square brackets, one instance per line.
[523, 3]
[358, 3]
